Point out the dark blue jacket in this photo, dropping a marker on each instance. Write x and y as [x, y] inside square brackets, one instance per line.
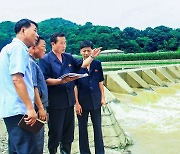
[89, 94]
[60, 96]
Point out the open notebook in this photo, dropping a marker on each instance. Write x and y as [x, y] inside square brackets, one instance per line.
[71, 75]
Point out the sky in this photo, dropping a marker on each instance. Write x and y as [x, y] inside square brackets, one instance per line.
[139, 14]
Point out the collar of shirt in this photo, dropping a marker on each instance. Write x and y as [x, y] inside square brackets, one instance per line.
[32, 57]
[21, 42]
[54, 57]
[90, 67]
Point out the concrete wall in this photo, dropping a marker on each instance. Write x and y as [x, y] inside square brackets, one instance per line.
[126, 81]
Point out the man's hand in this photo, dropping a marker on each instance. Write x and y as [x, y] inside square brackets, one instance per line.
[96, 52]
[78, 109]
[42, 114]
[103, 103]
[69, 79]
[32, 116]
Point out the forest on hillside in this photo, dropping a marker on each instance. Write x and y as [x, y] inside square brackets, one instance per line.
[130, 40]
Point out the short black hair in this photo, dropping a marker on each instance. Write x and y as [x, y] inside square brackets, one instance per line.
[86, 43]
[38, 40]
[23, 23]
[54, 36]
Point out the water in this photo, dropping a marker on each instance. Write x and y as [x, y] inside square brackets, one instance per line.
[152, 120]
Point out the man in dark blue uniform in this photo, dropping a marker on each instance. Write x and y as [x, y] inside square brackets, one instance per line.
[61, 92]
[89, 95]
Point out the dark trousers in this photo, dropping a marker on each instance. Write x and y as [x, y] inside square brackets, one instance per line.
[83, 131]
[20, 141]
[61, 130]
[40, 140]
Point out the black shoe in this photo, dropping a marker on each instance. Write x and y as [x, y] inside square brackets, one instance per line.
[65, 148]
[52, 151]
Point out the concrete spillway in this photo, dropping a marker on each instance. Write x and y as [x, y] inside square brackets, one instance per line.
[137, 86]
[124, 81]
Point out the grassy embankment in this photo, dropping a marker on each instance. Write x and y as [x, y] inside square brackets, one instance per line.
[126, 61]
[119, 65]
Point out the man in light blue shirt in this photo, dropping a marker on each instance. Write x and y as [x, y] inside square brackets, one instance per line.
[16, 88]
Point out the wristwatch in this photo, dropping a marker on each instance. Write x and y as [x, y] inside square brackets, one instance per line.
[92, 56]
